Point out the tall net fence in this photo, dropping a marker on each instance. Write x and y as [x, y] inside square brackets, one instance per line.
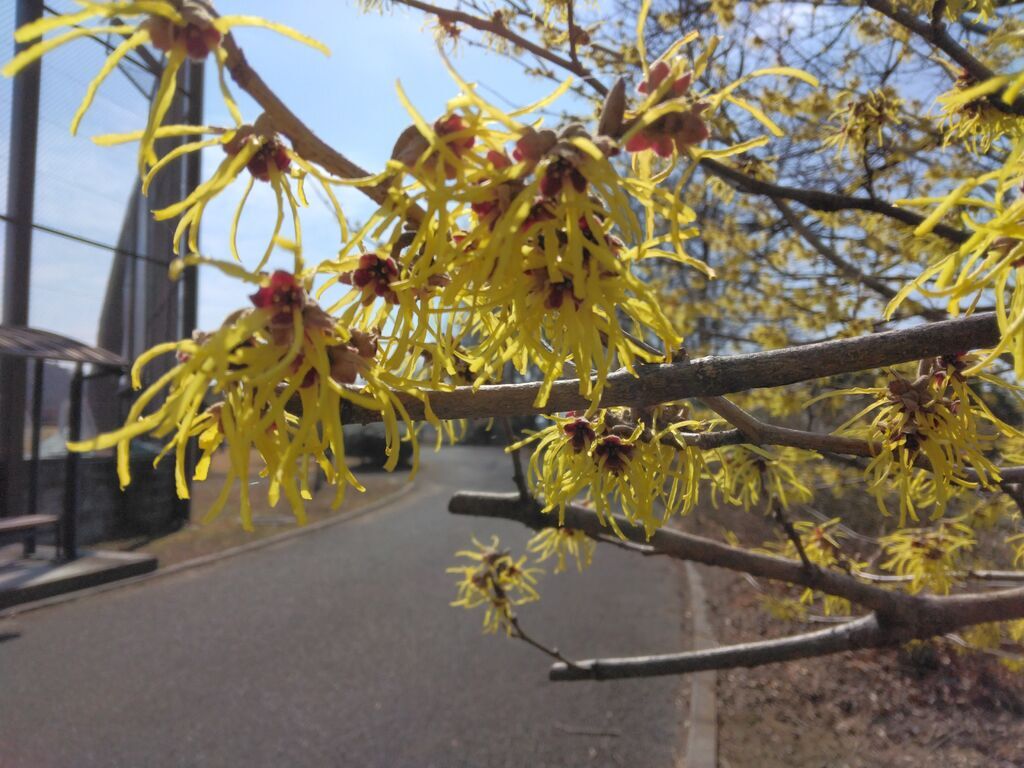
[98, 262]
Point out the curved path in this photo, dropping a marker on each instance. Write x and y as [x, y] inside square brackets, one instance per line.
[339, 649]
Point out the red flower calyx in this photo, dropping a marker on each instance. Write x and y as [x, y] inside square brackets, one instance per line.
[282, 295]
[613, 453]
[197, 37]
[581, 434]
[271, 154]
[373, 277]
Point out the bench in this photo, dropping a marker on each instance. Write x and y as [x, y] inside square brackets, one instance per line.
[26, 526]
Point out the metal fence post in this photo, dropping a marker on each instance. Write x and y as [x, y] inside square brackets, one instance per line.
[18, 258]
[69, 520]
[37, 424]
[195, 74]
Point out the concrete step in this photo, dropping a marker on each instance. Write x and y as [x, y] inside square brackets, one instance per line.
[24, 580]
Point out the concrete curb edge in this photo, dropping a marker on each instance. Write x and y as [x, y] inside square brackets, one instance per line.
[702, 740]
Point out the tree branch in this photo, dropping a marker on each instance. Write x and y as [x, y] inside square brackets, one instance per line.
[760, 432]
[827, 202]
[938, 36]
[518, 476]
[848, 269]
[708, 376]
[896, 617]
[685, 546]
[861, 633]
[493, 27]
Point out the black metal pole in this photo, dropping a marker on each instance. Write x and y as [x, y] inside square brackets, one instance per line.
[193, 177]
[190, 279]
[37, 423]
[18, 258]
[69, 521]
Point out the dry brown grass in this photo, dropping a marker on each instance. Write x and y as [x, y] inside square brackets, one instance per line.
[199, 538]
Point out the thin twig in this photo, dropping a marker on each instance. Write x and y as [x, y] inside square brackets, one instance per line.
[517, 460]
[783, 520]
[520, 634]
[500, 30]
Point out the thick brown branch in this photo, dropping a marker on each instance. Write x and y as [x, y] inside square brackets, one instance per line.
[685, 546]
[710, 376]
[896, 617]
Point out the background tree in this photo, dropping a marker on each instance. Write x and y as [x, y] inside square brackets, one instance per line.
[826, 171]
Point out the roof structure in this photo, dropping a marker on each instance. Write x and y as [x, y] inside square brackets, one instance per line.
[18, 341]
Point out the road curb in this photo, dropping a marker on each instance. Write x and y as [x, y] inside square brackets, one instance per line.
[213, 557]
[702, 738]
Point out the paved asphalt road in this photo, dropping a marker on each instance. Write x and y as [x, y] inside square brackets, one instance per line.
[338, 648]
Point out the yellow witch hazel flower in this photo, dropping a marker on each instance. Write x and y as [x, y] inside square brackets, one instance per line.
[930, 556]
[822, 544]
[863, 120]
[619, 459]
[928, 431]
[419, 343]
[496, 580]
[747, 474]
[564, 544]
[255, 148]
[1003, 639]
[990, 262]
[671, 119]
[969, 117]
[284, 352]
[181, 29]
[529, 239]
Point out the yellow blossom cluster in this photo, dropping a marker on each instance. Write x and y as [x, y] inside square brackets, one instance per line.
[496, 580]
[498, 242]
[930, 557]
[618, 459]
[750, 476]
[987, 264]
[930, 436]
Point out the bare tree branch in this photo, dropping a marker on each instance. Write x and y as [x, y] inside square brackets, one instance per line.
[709, 376]
[518, 476]
[861, 633]
[827, 202]
[494, 27]
[896, 617]
[685, 546]
[937, 35]
[848, 269]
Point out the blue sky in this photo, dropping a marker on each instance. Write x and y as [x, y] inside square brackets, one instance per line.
[349, 99]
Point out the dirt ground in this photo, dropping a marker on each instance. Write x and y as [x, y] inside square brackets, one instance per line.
[929, 705]
[200, 537]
